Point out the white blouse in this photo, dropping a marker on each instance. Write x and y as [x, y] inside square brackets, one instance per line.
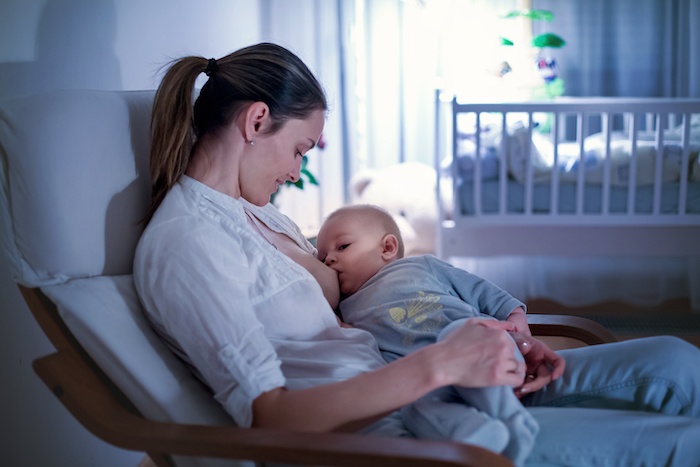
[246, 317]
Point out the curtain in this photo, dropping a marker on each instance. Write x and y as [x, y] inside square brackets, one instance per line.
[633, 48]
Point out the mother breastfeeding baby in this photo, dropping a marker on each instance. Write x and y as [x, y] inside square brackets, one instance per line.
[236, 290]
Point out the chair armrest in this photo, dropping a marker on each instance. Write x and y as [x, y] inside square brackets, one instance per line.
[575, 327]
[92, 402]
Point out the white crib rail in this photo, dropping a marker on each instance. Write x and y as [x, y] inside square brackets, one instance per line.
[554, 233]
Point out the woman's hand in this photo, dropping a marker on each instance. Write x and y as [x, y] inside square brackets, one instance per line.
[543, 364]
[480, 353]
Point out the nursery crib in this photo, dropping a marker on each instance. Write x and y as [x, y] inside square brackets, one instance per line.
[574, 199]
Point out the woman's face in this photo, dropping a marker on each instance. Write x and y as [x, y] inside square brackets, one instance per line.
[277, 157]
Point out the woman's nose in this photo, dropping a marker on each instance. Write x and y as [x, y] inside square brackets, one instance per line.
[295, 174]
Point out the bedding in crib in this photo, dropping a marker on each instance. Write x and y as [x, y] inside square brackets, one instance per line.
[565, 167]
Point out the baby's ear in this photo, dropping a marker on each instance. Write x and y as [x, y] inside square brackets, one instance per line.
[390, 247]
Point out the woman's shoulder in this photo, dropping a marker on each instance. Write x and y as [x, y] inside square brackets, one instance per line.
[188, 215]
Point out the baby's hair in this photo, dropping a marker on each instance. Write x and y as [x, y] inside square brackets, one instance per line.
[377, 216]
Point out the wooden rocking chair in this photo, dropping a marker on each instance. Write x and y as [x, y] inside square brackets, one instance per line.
[75, 186]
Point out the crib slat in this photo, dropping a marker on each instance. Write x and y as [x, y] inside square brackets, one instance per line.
[581, 129]
[658, 163]
[632, 181]
[554, 200]
[477, 167]
[503, 169]
[607, 128]
[683, 189]
[529, 177]
[455, 139]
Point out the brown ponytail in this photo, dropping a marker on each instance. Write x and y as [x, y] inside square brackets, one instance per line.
[172, 132]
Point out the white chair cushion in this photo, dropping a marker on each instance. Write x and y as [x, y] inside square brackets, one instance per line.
[73, 161]
[106, 315]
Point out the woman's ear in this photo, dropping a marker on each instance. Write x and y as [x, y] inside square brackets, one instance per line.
[390, 247]
[256, 119]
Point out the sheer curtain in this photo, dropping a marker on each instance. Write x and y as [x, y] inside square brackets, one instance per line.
[637, 48]
[397, 53]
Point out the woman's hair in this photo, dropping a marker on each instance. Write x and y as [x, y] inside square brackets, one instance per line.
[264, 72]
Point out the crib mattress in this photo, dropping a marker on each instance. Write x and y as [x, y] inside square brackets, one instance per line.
[567, 198]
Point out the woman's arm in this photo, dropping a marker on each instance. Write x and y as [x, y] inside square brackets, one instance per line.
[473, 356]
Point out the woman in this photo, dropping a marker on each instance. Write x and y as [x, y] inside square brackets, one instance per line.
[236, 291]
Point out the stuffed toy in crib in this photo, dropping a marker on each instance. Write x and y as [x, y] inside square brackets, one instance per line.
[407, 192]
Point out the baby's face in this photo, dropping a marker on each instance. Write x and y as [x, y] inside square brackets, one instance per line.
[353, 248]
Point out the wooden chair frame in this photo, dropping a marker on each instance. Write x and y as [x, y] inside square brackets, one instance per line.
[102, 408]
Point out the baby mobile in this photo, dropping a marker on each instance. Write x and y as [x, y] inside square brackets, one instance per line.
[534, 53]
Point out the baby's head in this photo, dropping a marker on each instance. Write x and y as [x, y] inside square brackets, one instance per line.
[357, 241]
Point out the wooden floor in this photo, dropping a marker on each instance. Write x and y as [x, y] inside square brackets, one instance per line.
[628, 322]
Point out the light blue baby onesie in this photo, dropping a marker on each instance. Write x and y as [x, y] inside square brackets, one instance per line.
[415, 301]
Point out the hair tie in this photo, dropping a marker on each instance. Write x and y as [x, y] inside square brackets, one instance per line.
[212, 67]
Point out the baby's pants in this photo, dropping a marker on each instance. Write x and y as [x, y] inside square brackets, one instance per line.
[490, 417]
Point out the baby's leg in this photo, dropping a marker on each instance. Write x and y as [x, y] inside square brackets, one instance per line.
[500, 402]
[443, 415]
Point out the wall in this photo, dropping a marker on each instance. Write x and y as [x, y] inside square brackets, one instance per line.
[98, 44]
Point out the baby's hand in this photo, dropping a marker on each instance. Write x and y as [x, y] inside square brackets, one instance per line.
[543, 364]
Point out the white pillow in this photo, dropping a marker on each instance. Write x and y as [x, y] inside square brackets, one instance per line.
[517, 143]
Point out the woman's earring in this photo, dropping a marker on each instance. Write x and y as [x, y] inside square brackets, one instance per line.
[252, 143]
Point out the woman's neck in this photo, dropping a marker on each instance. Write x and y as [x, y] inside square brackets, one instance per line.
[215, 164]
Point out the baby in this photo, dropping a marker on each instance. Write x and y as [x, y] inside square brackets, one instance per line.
[407, 303]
